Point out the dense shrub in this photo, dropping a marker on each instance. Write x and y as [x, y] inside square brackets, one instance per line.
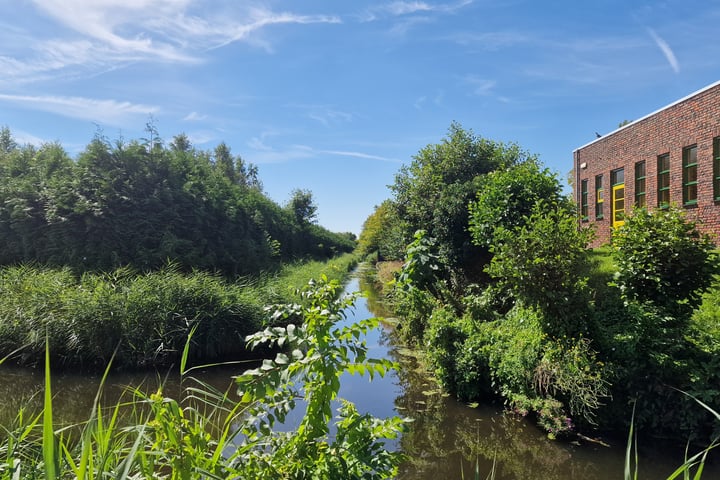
[506, 198]
[433, 191]
[662, 258]
[544, 263]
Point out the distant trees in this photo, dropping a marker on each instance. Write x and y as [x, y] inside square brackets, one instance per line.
[142, 204]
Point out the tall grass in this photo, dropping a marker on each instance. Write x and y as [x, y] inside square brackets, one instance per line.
[140, 319]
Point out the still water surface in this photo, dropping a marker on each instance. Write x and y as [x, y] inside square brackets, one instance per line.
[445, 440]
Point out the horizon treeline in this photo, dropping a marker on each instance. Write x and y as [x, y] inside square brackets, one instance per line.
[143, 204]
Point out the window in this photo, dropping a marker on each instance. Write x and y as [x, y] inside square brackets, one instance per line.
[599, 197]
[584, 200]
[617, 197]
[663, 180]
[716, 168]
[690, 175]
[640, 184]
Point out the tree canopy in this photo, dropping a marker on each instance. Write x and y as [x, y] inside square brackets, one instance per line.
[142, 204]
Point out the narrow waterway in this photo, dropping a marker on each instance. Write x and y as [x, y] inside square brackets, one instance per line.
[445, 440]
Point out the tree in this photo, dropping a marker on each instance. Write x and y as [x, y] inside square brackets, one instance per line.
[7, 142]
[434, 190]
[224, 162]
[507, 198]
[180, 143]
[380, 233]
[302, 206]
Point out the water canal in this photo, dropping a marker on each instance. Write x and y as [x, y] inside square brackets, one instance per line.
[445, 440]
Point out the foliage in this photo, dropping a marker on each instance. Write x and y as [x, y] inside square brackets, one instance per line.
[506, 198]
[145, 319]
[320, 351]
[302, 206]
[140, 319]
[662, 258]
[544, 263]
[141, 204]
[381, 234]
[206, 434]
[434, 190]
[417, 287]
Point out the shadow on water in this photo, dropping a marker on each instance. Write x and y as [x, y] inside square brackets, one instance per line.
[445, 439]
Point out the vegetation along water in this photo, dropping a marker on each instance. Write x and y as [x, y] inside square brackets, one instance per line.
[142, 255]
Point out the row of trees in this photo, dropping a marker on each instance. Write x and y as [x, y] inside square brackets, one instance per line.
[499, 287]
[143, 203]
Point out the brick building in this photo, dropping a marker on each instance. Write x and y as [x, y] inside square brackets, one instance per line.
[671, 156]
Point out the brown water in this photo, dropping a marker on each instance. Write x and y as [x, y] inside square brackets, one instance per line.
[445, 440]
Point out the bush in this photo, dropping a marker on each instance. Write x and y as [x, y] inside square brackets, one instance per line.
[506, 199]
[545, 264]
[662, 258]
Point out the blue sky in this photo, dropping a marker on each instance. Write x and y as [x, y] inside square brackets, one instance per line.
[334, 96]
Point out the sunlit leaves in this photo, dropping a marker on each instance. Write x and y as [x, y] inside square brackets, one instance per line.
[314, 354]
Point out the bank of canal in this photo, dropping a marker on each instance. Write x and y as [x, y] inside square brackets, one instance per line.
[444, 440]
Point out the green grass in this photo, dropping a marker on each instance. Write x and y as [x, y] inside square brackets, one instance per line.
[141, 319]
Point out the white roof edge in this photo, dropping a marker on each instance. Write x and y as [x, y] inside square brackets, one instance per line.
[687, 97]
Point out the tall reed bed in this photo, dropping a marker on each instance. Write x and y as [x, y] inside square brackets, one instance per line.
[142, 319]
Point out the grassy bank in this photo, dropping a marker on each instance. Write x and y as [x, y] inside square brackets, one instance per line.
[141, 319]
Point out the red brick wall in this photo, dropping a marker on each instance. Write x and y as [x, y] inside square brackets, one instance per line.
[691, 121]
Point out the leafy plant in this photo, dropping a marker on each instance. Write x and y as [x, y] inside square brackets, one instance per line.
[662, 258]
[544, 263]
[318, 352]
[506, 198]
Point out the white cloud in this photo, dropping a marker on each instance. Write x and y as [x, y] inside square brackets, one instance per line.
[105, 112]
[489, 40]
[104, 33]
[271, 155]
[325, 114]
[666, 50]
[265, 153]
[403, 8]
[22, 138]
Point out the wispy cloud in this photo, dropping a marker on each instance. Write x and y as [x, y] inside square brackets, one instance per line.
[489, 40]
[478, 85]
[105, 112]
[666, 50]
[194, 116]
[263, 152]
[364, 156]
[403, 8]
[327, 115]
[98, 34]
